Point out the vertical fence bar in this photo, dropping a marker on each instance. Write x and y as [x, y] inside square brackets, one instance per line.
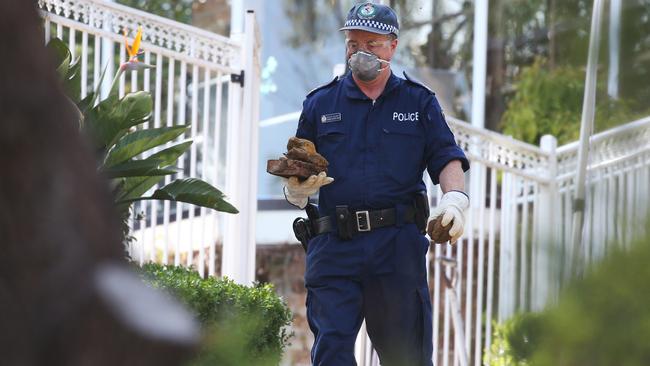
[166, 205]
[474, 193]
[204, 162]
[436, 303]
[193, 151]
[216, 155]
[47, 26]
[523, 267]
[481, 266]
[181, 162]
[491, 245]
[72, 43]
[504, 249]
[122, 80]
[84, 63]
[97, 57]
[462, 273]
[445, 342]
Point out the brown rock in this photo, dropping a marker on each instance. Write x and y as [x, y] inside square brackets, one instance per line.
[295, 142]
[301, 154]
[293, 168]
[438, 233]
[300, 161]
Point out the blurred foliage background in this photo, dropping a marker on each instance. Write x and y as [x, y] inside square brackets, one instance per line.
[602, 319]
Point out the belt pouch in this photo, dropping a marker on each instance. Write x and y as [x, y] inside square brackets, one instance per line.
[343, 222]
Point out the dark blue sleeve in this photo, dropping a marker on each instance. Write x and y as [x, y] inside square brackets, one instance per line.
[441, 145]
[306, 125]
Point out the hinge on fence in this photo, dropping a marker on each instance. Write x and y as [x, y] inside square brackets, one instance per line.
[238, 78]
[578, 205]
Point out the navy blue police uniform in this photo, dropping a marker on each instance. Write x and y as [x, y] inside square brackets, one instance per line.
[378, 151]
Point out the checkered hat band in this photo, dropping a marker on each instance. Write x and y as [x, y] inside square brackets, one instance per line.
[371, 24]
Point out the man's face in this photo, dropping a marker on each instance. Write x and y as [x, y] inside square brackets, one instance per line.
[382, 46]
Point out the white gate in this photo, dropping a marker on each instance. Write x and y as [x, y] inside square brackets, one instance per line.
[200, 79]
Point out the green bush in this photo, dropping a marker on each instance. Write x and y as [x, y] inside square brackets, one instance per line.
[602, 319]
[549, 101]
[514, 341]
[243, 325]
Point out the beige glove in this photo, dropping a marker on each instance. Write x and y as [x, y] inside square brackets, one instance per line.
[297, 192]
[451, 208]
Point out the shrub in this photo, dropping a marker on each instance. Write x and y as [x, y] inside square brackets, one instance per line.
[601, 319]
[243, 325]
[549, 101]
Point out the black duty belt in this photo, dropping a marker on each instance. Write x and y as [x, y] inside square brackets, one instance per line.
[350, 223]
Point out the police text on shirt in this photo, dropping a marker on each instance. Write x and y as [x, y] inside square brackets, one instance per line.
[405, 117]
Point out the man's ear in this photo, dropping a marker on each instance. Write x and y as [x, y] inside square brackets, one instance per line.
[393, 44]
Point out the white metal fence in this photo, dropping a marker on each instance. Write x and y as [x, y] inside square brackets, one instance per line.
[192, 83]
[517, 252]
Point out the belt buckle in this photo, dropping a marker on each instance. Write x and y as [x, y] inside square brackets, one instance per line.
[363, 220]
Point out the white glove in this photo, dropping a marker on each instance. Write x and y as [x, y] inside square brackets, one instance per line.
[297, 192]
[452, 207]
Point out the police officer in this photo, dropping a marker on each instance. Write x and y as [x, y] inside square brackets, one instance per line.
[379, 133]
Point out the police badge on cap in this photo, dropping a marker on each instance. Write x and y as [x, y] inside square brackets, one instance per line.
[375, 18]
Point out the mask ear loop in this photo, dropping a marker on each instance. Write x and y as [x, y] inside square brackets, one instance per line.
[384, 61]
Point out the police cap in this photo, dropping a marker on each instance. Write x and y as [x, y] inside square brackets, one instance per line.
[375, 18]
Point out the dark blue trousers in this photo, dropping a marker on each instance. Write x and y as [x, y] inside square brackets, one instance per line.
[379, 276]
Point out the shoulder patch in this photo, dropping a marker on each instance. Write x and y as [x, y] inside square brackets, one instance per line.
[334, 81]
[415, 82]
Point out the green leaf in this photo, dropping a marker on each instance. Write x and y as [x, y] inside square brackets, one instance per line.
[169, 155]
[137, 186]
[109, 120]
[194, 191]
[138, 142]
[61, 54]
[72, 81]
[138, 168]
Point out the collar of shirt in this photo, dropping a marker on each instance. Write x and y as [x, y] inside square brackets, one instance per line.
[352, 89]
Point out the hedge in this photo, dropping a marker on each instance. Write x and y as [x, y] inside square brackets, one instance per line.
[243, 325]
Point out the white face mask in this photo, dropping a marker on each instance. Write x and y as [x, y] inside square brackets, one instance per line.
[366, 66]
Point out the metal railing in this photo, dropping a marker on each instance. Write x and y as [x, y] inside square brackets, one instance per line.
[519, 226]
[191, 84]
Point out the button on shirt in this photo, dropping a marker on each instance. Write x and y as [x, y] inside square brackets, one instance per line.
[377, 149]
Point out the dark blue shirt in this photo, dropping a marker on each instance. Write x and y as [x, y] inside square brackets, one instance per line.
[377, 150]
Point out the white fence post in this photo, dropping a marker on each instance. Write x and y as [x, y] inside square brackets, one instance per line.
[545, 243]
[238, 261]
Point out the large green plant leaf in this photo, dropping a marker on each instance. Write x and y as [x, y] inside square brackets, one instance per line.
[138, 168]
[61, 54]
[135, 187]
[194, 191]
[67, 68]
[110, 119]
[138, 142]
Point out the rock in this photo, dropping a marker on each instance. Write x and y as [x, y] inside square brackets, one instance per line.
[301, 154]
[293, 168]
[301, 160]
[438, 233]
[295, 142]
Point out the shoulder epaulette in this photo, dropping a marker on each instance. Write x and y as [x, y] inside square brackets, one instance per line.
[415, 82]
[334, 81]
